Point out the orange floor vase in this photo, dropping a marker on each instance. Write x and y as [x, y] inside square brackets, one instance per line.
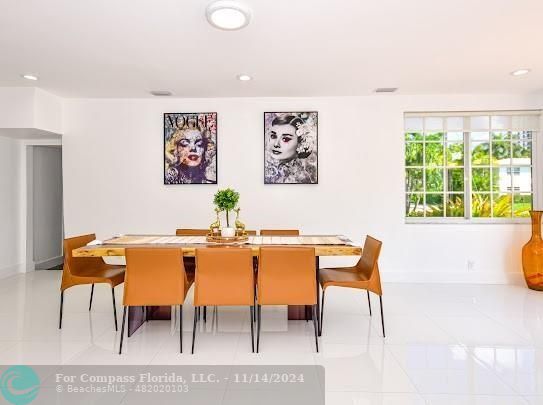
[532, 255]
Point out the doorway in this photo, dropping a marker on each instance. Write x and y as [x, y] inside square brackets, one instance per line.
[45, 218]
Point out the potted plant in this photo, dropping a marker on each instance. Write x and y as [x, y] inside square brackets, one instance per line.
[226, 200]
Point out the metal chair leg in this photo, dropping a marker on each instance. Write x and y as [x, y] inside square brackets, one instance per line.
[259, 318]
[180, 328]
[253, 319]
[205, 314]
[369, 301]
[322, 313]
[382, 318]
[194, 327]
[122, 330]
[315, 326]
[61, 307]
[92, 293]
[114, 307]
[317, 268]
[252, 310]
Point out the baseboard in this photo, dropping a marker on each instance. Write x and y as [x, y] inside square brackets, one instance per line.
[475, 277]
[47, 264]
[11, 270]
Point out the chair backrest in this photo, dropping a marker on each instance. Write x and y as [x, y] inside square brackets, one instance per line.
[224, 276]
[191, 232]
[78, 266]
[368, 264]
[154, 276]
[279, 232]
[286, 276]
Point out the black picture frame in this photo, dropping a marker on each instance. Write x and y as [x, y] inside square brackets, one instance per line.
[314, 153]
[174, 122]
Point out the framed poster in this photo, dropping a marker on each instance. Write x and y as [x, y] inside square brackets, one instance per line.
[291, 147]
[190, 148]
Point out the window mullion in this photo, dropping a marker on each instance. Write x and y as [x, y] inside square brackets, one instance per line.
[467, 174]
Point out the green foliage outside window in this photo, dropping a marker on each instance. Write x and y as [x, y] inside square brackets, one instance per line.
[432, 161]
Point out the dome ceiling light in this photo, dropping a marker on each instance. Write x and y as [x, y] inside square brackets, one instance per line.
[520, 72]
[228, 15]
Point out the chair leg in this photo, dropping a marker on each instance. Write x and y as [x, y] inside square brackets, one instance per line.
[382, 318]
[180, 328]
[322, 313]
[253, 319]
[205, 314]
[122, 330]
[114, 308]
[369, 301]
[92, 293]
[252, 310]
[259, 318]
[61, 307]
[317, 268]
[315, 326]
[196, 310]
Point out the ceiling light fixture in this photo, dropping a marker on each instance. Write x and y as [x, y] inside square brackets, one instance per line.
[520, 72]
[228, 15]
[386, 90]
[161, 93]
[30, 77]
[244, 78]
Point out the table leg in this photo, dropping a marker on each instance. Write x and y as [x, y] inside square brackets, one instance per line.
[298, 313]
[136, 316]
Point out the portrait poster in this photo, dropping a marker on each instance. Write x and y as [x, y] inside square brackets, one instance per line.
[190, 148]
[291, 147]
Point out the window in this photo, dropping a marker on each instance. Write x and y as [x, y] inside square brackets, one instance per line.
[469, 165]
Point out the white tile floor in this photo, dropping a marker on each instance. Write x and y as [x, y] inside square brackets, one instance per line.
[445, 344]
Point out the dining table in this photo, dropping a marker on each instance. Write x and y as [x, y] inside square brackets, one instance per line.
[324, 245]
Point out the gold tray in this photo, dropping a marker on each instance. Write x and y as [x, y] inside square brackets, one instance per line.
[227, 240]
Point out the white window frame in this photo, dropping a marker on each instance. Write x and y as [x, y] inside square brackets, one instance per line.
[537, 162]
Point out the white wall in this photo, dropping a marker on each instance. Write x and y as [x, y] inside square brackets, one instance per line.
[47, 206]
[113, 181]
[47, 112]
[11, 254]
[16, 107]
[29, 108]
[28, 116]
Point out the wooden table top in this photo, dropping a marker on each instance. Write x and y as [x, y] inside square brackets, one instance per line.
[189, 250]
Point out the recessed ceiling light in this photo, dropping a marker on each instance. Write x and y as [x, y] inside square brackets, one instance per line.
[520, 72]
[228, 15]
[386, 89]
[244, 78]
[30, 77]
[161, 93]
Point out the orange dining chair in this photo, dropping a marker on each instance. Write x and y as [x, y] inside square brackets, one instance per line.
[87, 270]
[279, 232]
[224, 276]
[364, 275]
[286, 276]
[190, 263]
[155, 277]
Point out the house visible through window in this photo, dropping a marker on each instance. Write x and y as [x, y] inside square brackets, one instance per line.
[469, 165]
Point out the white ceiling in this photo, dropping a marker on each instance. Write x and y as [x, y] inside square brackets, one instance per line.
[125, 48]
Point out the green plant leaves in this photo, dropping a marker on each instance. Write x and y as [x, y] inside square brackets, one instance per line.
[226, 199]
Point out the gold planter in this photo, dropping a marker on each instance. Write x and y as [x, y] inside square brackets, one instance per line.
[532, 255]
